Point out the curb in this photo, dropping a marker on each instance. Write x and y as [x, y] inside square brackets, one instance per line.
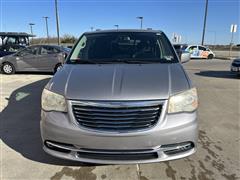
[224, 58]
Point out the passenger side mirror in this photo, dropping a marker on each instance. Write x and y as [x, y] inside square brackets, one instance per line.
[185, 57]
[65, 55]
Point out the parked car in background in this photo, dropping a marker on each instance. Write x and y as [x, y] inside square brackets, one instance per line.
[235, 66]
[10, 49]
[45, 58]
[121, 97]
[197, 51]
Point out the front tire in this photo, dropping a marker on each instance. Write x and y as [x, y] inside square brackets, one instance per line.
[8, 68]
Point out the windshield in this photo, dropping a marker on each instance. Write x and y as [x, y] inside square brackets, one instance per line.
[117, 47]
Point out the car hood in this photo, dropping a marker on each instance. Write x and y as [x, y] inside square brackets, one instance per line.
[119, 82]
[236, 61]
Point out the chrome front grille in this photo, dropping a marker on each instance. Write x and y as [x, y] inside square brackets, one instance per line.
[117, 116]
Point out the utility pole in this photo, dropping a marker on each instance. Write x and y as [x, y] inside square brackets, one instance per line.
[117, 26]
[141, 21]
[204, 24]
[57, 21]
[31, 28]
[46, 20]
[231, 45]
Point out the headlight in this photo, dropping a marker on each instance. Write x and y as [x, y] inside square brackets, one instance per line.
[53, 102]
[184, 102]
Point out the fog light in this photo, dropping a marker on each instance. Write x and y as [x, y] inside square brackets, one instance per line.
[56, 146]
[171, 149]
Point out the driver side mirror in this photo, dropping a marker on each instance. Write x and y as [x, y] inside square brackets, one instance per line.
[185, 57]
[64, 55]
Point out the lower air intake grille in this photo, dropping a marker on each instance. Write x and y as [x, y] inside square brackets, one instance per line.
[142, 156]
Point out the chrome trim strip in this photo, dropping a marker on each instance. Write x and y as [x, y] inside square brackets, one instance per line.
[140, 108]
[114, 115]
[100, 152]
[117, 104]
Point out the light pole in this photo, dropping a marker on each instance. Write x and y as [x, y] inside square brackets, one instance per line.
[31, 28]
[57, 21]
[117, 26]
[205, 20]
[141, 20]
[46, 20]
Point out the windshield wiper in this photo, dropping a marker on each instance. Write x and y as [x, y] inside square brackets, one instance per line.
[133, 61]
[83, 61]
[112, 61]
[127, 61]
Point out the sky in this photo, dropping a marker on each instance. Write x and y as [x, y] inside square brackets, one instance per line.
[183, 17]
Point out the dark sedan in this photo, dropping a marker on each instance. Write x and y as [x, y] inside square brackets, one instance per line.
[44, 58]
[235, 67]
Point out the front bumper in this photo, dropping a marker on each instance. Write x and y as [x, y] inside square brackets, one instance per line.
[171, 131]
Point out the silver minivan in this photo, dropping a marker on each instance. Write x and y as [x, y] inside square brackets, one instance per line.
[121, 97]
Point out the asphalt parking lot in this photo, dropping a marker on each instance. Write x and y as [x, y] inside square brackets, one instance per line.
[218, 155]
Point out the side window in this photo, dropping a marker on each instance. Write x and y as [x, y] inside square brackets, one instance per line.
[55, 50]
[11, 40]
[48, 50]
[192, 48]
[14, 48]
[44, 51]
[34, 50]
[29, 51]
[22, 40]
[202, 48]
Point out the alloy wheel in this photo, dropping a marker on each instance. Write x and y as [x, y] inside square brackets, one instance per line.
[7, 68]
